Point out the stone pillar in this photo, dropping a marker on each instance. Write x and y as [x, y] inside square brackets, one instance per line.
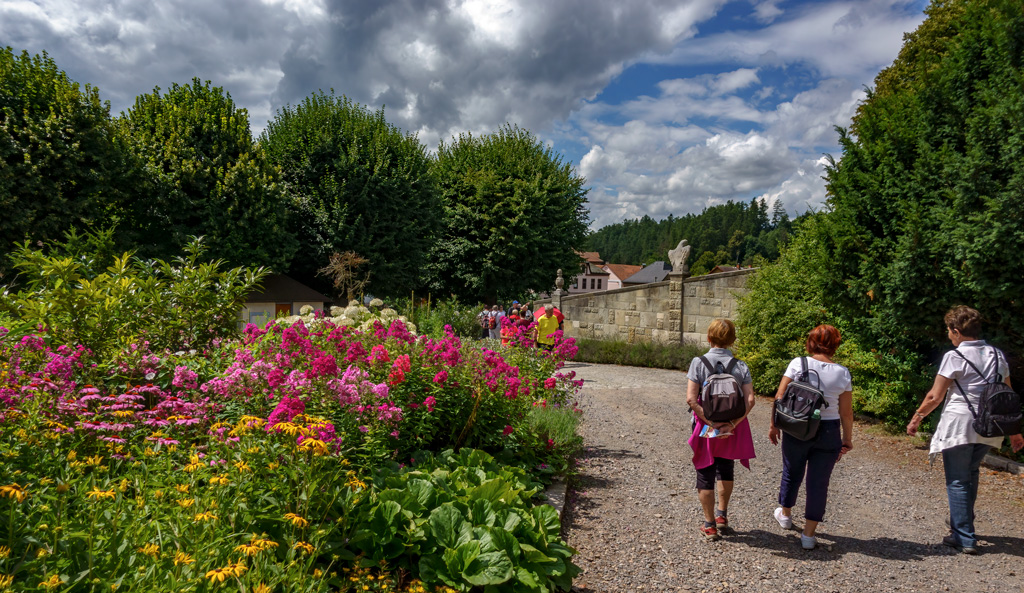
[556, 297]
[675, 309]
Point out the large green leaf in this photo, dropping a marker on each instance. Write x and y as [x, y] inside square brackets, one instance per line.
[489, 568]
[448, 525]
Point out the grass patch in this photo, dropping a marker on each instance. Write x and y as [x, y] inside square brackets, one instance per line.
[643, 354]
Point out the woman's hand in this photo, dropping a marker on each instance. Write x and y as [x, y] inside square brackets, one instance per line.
[773, 435]
[847, 447]
[913, 424]
[1016, 442]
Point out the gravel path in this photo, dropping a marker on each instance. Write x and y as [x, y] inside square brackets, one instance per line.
[633, 513]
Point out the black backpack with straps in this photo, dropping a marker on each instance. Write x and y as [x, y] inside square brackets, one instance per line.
[795, 410]
[721, 396]
[999, 411]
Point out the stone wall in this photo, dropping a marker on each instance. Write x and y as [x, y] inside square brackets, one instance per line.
[706, 298]
[632, 314]
[664, 312]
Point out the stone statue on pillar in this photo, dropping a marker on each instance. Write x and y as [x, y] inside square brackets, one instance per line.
[678, 257]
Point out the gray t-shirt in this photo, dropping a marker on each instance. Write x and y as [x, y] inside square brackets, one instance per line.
[698, 372]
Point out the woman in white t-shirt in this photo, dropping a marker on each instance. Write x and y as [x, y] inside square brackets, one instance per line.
[818, 456]
[962, 449]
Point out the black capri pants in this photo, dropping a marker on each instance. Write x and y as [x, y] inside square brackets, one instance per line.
[723, 468]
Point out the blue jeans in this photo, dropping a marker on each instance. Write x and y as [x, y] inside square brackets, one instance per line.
[817, 457]
[961, 465]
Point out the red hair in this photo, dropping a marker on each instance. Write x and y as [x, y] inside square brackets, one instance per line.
[823, 339]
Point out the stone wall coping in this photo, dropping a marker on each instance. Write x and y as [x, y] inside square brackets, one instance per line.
[617, 290]
[706, 277]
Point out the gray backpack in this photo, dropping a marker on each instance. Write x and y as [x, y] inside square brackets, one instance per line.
[721, 397]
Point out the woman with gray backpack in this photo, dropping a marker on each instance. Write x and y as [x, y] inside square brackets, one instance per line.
[981, 408]
[721, 394]
[813, 409]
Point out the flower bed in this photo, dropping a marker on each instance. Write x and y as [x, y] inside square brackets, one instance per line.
[309, 457]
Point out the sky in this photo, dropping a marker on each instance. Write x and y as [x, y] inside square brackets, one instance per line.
[664, 106]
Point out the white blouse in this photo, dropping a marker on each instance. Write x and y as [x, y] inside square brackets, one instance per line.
[956, 424]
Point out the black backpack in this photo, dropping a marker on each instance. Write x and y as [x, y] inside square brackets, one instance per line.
[999, 411]
[795, 411]
[721, 396]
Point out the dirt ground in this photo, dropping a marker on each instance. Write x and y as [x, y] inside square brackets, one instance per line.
[633, 513]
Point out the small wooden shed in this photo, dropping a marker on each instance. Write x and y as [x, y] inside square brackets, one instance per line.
[280, 295]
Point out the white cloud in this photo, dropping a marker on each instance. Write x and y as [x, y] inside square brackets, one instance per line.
[732, 127]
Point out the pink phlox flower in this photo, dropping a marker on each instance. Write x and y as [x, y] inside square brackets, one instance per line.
[441, 377]
[508, 430]
[550, 383]
[323, 366]
[185, 378]
[400, 331]
[403, 363]
[244, 356]
[286, 409]
[430, 402]
[379, 354]
[356, 352]
[381, 390]
[396, 376]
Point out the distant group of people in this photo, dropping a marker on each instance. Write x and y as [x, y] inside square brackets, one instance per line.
[540, 325]
[965, 372]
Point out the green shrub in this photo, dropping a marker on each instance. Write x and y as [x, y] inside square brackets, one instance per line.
[431, 316]
[643, 354]
[107, 304]
[788, 298]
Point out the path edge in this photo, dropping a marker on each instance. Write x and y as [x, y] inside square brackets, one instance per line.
[1004, 464]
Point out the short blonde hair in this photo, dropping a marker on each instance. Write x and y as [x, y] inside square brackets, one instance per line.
[721, 333]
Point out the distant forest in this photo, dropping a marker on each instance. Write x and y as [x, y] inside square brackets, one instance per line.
[734, 233]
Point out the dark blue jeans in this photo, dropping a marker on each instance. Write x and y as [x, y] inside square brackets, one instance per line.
[816, 458]
[961, 465]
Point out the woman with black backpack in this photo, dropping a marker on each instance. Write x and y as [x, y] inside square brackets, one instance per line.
[971, 377]
[814, 452]
[721, 394]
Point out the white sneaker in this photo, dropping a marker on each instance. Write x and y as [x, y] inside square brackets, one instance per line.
[808, 541]
[784, 521]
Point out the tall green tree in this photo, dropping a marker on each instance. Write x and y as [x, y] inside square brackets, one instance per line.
[200, 173]
[358, 185]
[514, 213]
[928, 197]
[61, 164]
[734, 232]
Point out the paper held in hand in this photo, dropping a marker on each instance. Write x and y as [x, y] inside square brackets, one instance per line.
[708, 432]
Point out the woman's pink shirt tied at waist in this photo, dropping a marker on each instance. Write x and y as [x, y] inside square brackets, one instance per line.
[739, 446]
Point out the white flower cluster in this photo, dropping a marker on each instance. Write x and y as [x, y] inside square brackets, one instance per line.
[354, 315]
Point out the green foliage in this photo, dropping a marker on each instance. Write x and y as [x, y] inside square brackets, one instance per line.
[432, 316]
[200, 173]
[467, 521]
[358, 184]
[641, 354]
[105, 305]
[60, 161]
[789, 298]
[733, 232]
[927, 197]
[514, 213]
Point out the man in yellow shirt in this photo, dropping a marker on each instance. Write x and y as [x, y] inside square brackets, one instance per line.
[547, 324]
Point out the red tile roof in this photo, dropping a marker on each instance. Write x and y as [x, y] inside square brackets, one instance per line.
[623, 271]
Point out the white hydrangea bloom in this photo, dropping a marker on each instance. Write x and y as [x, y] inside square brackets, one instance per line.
[306, 310]
[388, 314]
[376, 303]
[337, 311]
[345, 322]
